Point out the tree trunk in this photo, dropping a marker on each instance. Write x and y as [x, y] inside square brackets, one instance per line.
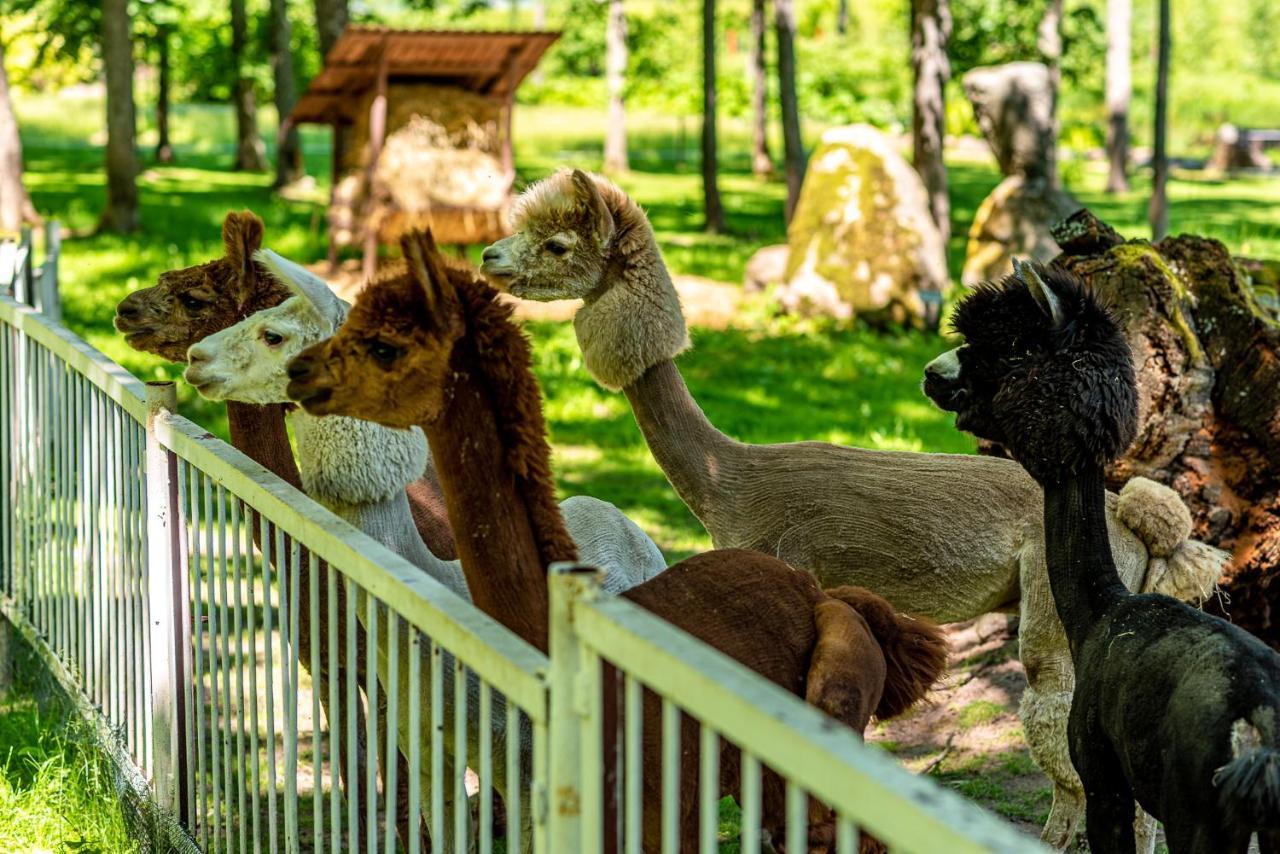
[710, 166]
[288, 145]
[1049, 41]
[164, 149]
[251, 156]
[331, 20]
[121, 213]
[15, 205]
[1208, 362]
[1119, 90]
[1158, 212]
[761, 161]
[930, 30]
[784, 21]
[615, 135]
[842, 17]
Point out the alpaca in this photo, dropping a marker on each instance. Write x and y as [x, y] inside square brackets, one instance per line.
[946, 536]
[431, 345]
[359, 469]
[189, 305]
[1175, 708]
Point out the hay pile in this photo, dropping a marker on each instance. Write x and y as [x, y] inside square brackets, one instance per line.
[440, 166]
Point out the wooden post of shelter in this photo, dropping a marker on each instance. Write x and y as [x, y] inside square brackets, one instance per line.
[377, 135]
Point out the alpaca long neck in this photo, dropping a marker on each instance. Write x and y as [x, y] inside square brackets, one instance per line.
[390, 522]
[259, 433]
[1082, 572]
[492, 523]
[692, 453]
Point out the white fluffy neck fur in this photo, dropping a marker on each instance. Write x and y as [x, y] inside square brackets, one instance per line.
[346, 461]
[635, 320]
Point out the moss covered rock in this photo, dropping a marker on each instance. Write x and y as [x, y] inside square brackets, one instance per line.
[862, 240]
[1014, 220]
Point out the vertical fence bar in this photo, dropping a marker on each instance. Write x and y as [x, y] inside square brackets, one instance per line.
[163, 566]
[317, 687]
[633, 811]
[569, 584]
[335, 709]
[393, 727]
[797, 816]
[289, 661]
[515, 812]
[709, 789]
[486, 767]
[371, 723]
[438, 782]
[461, 809]
[353, 703]
[224, 627]
[255, 747]
[237, 629]
[273, 837]
[415, 742]
[750, 803]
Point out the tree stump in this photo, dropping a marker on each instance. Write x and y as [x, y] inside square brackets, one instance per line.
[1207, 355]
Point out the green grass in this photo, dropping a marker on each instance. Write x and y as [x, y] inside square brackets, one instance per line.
[56, 790]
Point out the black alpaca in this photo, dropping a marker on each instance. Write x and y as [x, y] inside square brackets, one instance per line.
[1173, 707]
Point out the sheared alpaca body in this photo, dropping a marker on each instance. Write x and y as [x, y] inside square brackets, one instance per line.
[432, 346]
[359, 470]
[949, 537]
[1174, 708]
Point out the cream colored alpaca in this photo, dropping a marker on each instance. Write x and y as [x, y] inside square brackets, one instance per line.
[946, 536]
[359, 469]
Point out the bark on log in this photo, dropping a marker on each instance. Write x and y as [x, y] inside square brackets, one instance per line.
[1208, 361]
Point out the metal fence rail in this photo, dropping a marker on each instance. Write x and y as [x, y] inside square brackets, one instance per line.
[713, 698]
[167, 573]
[274, 680]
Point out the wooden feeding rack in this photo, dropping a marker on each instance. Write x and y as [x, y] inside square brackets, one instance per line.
[421, 132]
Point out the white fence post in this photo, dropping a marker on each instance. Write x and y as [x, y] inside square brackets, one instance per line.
[574, 687]
[47, 290]
[164, 570]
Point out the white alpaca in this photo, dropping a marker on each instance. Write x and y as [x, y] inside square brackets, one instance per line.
[359, 470]
[948, 537]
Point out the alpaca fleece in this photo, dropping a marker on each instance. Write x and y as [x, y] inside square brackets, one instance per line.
[1173, 708]
[948, 537]
[477, 399]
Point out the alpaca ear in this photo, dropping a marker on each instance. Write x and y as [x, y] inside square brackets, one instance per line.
[302, 282]
[591, 202]
[428, 269]
[1040, 291]
[241, 237]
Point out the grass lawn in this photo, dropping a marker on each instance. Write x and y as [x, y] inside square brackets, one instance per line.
[56, 789]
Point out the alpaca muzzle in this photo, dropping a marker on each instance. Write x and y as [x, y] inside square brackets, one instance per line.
[309, 385]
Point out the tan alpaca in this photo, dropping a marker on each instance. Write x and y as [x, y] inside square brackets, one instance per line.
[945, 536]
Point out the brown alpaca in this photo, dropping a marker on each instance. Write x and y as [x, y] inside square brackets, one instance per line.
[949, 537]
[187, 305]
[430, 345]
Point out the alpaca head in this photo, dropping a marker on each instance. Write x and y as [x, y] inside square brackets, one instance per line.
[390, 361]
[562, 241]
[188, 305]
[248, 362]
[1044, 370]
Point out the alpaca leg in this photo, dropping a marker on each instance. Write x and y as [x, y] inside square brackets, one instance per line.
[1144, 831]
[1046, 705]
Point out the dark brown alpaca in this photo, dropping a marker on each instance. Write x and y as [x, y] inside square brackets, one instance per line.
[430, 345]
[184, 307]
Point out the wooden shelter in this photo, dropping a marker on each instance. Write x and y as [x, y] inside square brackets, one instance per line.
[422, 132]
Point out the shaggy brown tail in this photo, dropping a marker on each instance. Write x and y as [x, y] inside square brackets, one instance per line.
[915, 650]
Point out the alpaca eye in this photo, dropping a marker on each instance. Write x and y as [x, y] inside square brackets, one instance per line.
[272, 339]
[555, 247]
[383, 352]
[191, 302]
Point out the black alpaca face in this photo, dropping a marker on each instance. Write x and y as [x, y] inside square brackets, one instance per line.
[1044, 370]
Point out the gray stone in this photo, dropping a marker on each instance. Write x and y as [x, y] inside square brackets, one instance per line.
[768, 266]
[862, 241]
[1013, 104]
[1014, 220]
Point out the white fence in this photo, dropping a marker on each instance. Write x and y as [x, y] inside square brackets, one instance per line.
[272, 679]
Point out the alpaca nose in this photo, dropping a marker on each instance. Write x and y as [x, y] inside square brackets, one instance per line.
[127, 310]
[491, 254]
[946, 366]
[299, 369]
[195, 356]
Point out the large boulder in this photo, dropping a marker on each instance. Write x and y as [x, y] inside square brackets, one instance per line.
[862, 240]
[1015, 220]
[1013, 104]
